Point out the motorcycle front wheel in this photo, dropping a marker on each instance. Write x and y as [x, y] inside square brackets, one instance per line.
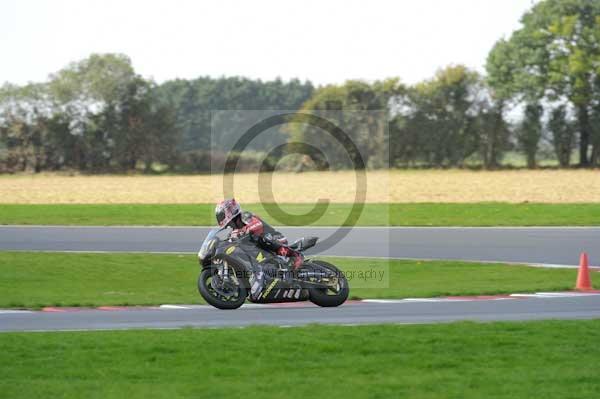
[221, 291]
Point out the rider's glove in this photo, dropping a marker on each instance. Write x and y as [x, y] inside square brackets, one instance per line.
[235, 234]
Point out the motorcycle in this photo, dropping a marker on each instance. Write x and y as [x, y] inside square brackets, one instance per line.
[227, 267]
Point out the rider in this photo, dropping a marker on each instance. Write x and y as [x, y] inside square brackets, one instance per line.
[230, 214]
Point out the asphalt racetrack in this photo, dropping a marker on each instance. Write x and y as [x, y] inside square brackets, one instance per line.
[571, 306]
[528, 245]
[560, 245]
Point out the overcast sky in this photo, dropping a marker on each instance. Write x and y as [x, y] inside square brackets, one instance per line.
[324, 41]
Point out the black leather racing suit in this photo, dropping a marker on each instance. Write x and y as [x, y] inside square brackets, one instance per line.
[270, 240]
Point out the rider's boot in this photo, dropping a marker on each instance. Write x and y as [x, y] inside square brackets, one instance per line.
[289, 266]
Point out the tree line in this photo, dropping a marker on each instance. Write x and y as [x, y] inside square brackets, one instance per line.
[540, 95]
[97, 115]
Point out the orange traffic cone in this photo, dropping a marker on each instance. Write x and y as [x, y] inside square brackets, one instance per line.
[583, 277]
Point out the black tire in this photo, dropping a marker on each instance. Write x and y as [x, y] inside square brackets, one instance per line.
[213, 298]
[322, 298]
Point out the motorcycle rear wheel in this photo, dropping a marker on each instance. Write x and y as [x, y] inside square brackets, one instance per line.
[217, 299]
[323, 297]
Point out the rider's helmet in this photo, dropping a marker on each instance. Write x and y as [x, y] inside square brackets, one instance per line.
[226, 211]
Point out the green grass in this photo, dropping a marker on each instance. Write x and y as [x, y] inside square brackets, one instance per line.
[34, 280]
[426, 214]
[551, 360]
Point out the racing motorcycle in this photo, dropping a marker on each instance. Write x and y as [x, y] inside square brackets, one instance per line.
[227, 267]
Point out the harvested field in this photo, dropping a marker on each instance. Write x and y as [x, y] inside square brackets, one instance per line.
[452, 186]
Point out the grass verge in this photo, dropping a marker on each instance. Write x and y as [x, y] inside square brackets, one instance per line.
[33, 280]
[416, 214]
[550, 359]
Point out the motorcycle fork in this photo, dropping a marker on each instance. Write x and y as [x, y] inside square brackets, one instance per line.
[226, 273]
